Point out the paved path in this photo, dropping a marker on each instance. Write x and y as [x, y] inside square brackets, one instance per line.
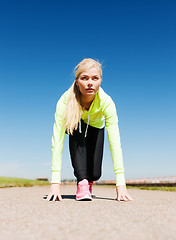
[25, 214]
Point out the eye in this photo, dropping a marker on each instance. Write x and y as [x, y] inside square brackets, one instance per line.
[95, 78]
[83, 78]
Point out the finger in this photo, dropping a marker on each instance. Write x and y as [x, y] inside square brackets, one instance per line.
[124, 198]
[119, 197]
[129, 198]
[54, 198]
[60, 198]
[49, 197]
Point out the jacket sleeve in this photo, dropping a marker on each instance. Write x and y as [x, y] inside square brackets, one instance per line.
[112, 128]
[58, 141]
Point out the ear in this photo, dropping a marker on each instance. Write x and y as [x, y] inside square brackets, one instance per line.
[76, 82]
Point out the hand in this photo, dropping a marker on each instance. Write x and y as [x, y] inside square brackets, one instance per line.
[122, 193]
[54, 190]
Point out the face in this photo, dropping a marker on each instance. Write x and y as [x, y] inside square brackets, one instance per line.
[89, 81]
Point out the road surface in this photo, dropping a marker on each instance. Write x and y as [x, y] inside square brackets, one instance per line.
[25, 214]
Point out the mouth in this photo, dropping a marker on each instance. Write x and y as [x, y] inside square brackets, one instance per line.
[89, 89]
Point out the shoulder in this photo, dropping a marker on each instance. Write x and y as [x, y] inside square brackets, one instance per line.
[104, 97]
[61, 103]
[64, 97]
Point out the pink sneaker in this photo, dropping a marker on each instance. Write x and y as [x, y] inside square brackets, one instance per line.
[90, 186]
[83, 191]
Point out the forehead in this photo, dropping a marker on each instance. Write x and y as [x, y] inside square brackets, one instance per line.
[90, 71]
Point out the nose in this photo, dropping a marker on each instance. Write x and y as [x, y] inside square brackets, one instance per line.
[89, 82]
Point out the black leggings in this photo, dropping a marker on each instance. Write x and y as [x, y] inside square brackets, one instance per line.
[87, 152]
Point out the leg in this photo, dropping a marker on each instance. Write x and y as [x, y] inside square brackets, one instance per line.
[94, 146]
[78, 153]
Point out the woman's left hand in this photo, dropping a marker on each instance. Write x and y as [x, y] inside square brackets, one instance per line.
[122, 193]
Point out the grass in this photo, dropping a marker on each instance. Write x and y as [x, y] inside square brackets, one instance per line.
[6, 182]
[171, 189]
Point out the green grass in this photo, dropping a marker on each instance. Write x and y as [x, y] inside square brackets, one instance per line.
[20, 182]
[172, 189]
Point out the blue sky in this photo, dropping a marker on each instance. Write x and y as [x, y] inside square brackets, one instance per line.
[42, 41]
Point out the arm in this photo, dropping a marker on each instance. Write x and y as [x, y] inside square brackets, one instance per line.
[58, 141]
[57, 148]
[112, 128]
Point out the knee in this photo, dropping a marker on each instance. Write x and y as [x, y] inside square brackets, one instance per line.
[96, 176]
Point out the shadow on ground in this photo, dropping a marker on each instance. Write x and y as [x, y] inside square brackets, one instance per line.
[74, 197]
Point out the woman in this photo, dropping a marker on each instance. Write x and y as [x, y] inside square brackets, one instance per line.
[82, 112]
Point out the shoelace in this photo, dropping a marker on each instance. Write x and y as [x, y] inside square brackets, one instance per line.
[84, 187]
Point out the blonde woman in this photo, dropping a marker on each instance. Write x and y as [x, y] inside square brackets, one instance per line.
[83, 111]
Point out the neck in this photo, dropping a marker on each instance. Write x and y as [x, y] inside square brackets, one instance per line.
[86, 101]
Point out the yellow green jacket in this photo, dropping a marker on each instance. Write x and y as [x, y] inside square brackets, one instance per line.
[102, 112]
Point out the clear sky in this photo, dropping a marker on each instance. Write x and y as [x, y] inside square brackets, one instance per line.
[40, 44]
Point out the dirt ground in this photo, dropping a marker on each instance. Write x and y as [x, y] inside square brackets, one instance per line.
[25, 214]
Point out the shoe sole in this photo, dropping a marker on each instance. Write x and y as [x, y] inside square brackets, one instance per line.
[86, 197]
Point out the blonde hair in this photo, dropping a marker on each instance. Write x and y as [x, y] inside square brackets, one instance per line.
[73, 110]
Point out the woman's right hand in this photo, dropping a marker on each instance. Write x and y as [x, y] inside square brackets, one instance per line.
[54, 190]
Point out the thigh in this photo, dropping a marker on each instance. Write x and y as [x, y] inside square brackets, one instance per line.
[77, 147]
[94, 146]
